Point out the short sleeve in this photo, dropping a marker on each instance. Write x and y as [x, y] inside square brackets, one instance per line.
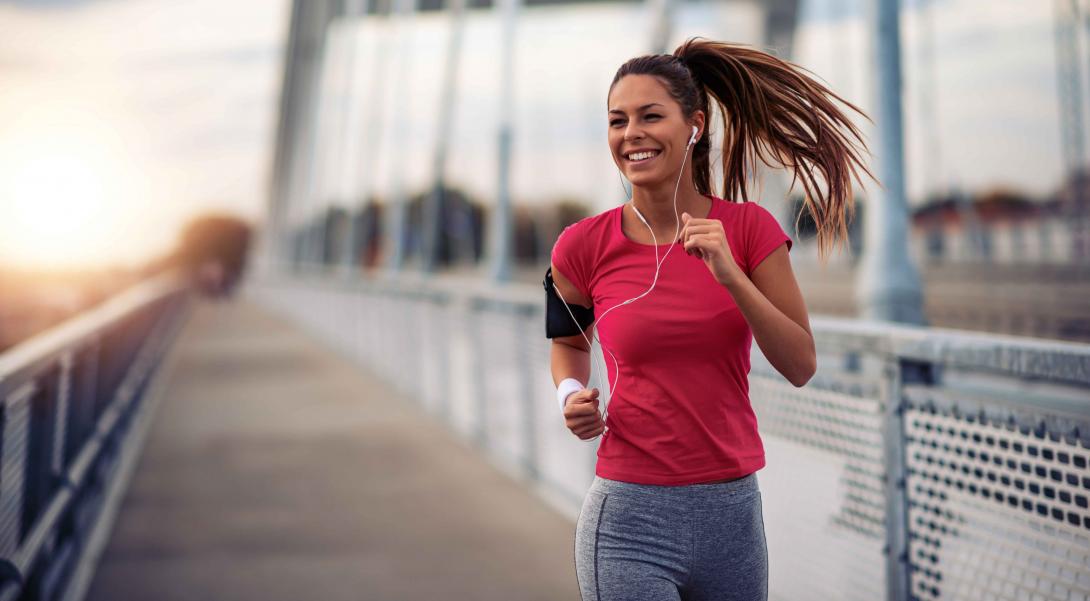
[762, 235]
[569, 258]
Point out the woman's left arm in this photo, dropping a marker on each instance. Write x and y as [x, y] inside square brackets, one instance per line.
[769, 298]
[772, 303]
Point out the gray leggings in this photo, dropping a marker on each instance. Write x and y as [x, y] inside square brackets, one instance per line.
[641, 542]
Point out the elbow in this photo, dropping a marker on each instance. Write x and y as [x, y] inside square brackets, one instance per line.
[799, 380]
[804, 372]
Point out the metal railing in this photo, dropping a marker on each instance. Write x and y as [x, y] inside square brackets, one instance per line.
[67, 399]
[918, 463]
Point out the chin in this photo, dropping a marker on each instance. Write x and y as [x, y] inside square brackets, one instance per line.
[645, 179]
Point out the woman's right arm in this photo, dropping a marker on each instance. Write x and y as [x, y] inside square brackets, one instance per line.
[570, 358]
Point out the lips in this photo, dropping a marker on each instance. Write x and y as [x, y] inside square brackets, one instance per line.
[642, 155]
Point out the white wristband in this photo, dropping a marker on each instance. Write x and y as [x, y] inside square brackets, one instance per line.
[564, 390]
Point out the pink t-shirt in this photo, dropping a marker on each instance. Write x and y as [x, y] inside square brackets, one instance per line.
[680, 413]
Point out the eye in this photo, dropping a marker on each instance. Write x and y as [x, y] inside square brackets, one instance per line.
[616, 122]
[652, 116]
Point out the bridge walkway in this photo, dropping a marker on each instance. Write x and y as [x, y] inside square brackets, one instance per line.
[276, 469]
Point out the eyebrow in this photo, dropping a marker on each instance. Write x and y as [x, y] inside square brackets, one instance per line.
[644, 107]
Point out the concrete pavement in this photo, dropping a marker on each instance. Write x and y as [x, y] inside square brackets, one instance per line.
[275, 469]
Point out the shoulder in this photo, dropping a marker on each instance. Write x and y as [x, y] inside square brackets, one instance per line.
[757, 211]
[589, 231]
[761, 220]
[732, 214]
[595, 224]
[578, 249]
[747, 210]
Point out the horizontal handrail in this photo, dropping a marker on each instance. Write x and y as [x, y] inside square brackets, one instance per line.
[1059, 361]
[48, 345]
[148, 315]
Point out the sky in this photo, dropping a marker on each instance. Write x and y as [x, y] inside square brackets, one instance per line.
[981, 114]
[120, 119]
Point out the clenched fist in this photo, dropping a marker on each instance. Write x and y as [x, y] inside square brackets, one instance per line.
[581, 414]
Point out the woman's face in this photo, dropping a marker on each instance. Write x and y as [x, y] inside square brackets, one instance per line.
[648, 134]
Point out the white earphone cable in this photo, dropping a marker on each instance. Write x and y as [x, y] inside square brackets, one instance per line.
[654, 281]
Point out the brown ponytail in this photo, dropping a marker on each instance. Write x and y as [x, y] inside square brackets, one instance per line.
[772, 112]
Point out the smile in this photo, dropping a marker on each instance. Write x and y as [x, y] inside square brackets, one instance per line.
[643, 156]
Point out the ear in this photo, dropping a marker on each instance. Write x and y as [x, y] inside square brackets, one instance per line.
[697, 119]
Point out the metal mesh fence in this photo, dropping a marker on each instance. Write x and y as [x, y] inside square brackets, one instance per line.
[997, 510]
[917, 463]
[823, 485]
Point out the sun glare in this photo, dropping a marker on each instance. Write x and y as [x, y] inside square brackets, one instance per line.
[56, 197]
[53, 197]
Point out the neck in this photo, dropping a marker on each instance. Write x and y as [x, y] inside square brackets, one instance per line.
[656, 203]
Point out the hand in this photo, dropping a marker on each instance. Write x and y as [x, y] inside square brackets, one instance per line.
[581, 414]
[705, 239]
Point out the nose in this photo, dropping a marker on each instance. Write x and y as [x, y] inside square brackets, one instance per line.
[632, 132]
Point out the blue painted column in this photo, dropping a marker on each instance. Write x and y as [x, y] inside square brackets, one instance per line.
[888, 284]
[662, 24]
[501, 221]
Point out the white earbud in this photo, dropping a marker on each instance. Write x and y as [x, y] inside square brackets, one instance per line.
[692, 138]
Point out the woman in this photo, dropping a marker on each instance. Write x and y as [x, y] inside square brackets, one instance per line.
[674, 511]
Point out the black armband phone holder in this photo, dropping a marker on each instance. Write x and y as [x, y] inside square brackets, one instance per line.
[558, 322]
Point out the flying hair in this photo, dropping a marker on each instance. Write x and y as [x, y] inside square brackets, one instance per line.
[773, 112]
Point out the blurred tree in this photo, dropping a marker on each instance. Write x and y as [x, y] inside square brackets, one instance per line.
[461, 227]
[212, 250]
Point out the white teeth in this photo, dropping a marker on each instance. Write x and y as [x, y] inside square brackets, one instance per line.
[639, 156]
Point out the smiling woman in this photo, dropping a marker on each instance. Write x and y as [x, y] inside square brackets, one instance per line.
[680, 434]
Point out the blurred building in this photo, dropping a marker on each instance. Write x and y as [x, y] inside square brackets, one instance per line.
[464, 135]
[1002, 226]
[426, 118]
